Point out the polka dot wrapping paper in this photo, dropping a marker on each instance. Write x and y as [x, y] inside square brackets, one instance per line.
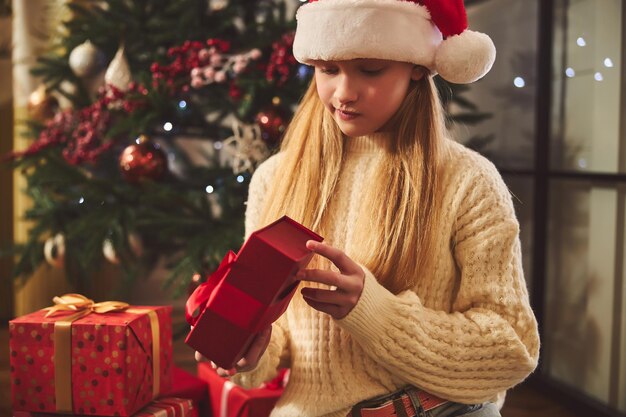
[109, 360]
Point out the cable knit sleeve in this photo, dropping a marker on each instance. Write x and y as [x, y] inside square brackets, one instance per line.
[488, 342]
[277, 352]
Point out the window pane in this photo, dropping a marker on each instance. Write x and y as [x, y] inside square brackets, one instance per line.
[580, 285]
[586, 87]
[512, 24]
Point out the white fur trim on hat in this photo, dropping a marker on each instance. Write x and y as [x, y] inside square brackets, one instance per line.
[338, 30]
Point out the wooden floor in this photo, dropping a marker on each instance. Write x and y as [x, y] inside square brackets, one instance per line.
[522, 401]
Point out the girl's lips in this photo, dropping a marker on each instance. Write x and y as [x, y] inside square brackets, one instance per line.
[346, 115]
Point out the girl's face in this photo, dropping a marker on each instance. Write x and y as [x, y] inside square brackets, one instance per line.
[363, 94]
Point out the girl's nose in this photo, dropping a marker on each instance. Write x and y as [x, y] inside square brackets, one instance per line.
[346, 91]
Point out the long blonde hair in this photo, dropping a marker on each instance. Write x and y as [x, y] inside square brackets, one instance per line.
[394, 237]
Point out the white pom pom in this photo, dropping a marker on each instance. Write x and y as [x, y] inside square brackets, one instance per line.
[465, 58]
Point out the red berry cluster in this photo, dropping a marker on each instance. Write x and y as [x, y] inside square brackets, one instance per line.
[282, 60]
[185, 58]
[82, 132]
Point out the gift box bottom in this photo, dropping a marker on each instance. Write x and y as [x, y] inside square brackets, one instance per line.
[256, 402]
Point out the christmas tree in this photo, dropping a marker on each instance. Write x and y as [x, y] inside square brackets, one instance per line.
[150, 119]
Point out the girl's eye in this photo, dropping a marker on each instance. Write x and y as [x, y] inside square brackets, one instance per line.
[372, 71]
[328, 70]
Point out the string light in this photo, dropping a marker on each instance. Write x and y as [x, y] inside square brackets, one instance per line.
[218, 145]
[519, 82]
[209, 189]
[81, 200]
[182, 104]
[239, 179]
[581, 42]
[608, 63]
[167, 126]
[598, 76]
[570, 72]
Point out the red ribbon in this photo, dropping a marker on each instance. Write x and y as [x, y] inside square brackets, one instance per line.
[199, 298]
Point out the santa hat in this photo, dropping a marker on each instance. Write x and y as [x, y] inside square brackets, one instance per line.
[431, 33]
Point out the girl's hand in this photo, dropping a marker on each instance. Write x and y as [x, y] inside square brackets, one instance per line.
[251, 358]
[348, 282]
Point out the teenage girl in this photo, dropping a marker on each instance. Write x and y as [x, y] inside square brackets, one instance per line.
[416, 304]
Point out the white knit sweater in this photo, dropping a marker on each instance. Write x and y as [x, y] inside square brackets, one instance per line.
[464, 332]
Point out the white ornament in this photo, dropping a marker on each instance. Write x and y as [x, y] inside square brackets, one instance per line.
[54, 250]
[246, 147]
[118, 73]
[110, 254]
[86, 59]
[108, 250]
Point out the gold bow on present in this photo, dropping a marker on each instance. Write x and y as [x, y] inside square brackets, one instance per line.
[82, 304]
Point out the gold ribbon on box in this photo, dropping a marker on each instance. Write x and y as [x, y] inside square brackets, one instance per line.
[83, 306]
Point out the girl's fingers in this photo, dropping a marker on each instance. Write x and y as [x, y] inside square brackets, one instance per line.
[323, 276]
[325, 296]
[343, 283]
[336, 256]
[330, 309]
[199, 357]
[224, 372]
[255, 351]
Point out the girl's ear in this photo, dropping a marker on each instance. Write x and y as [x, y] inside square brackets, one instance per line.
[417, 73]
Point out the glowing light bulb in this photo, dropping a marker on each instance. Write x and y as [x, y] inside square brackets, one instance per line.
[239, 179]
[519, 82]
[581, 42]
[167, 126]
[598, 76]
[209, 189]
[570, 72]
[608, 63]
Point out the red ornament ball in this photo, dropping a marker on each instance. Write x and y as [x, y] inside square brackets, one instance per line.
[142, 161]
[273, 123]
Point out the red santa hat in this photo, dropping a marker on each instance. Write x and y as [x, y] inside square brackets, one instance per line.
[431, 33]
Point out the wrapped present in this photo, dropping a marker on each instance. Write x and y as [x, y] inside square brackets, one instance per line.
[191, 387]
[230, 400]
[169, 407]
[248, 291]
[90, 358]
[163, 407]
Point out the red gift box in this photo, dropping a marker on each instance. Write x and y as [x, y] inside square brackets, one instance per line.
[164, 407]
[186, 385]
[112, 362]
[230, 400]
[168, 407]
[248, 292]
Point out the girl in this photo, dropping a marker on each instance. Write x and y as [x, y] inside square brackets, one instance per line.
[416, 304]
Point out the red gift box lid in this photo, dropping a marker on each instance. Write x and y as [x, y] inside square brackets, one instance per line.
[273, 252]
[248, 291]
